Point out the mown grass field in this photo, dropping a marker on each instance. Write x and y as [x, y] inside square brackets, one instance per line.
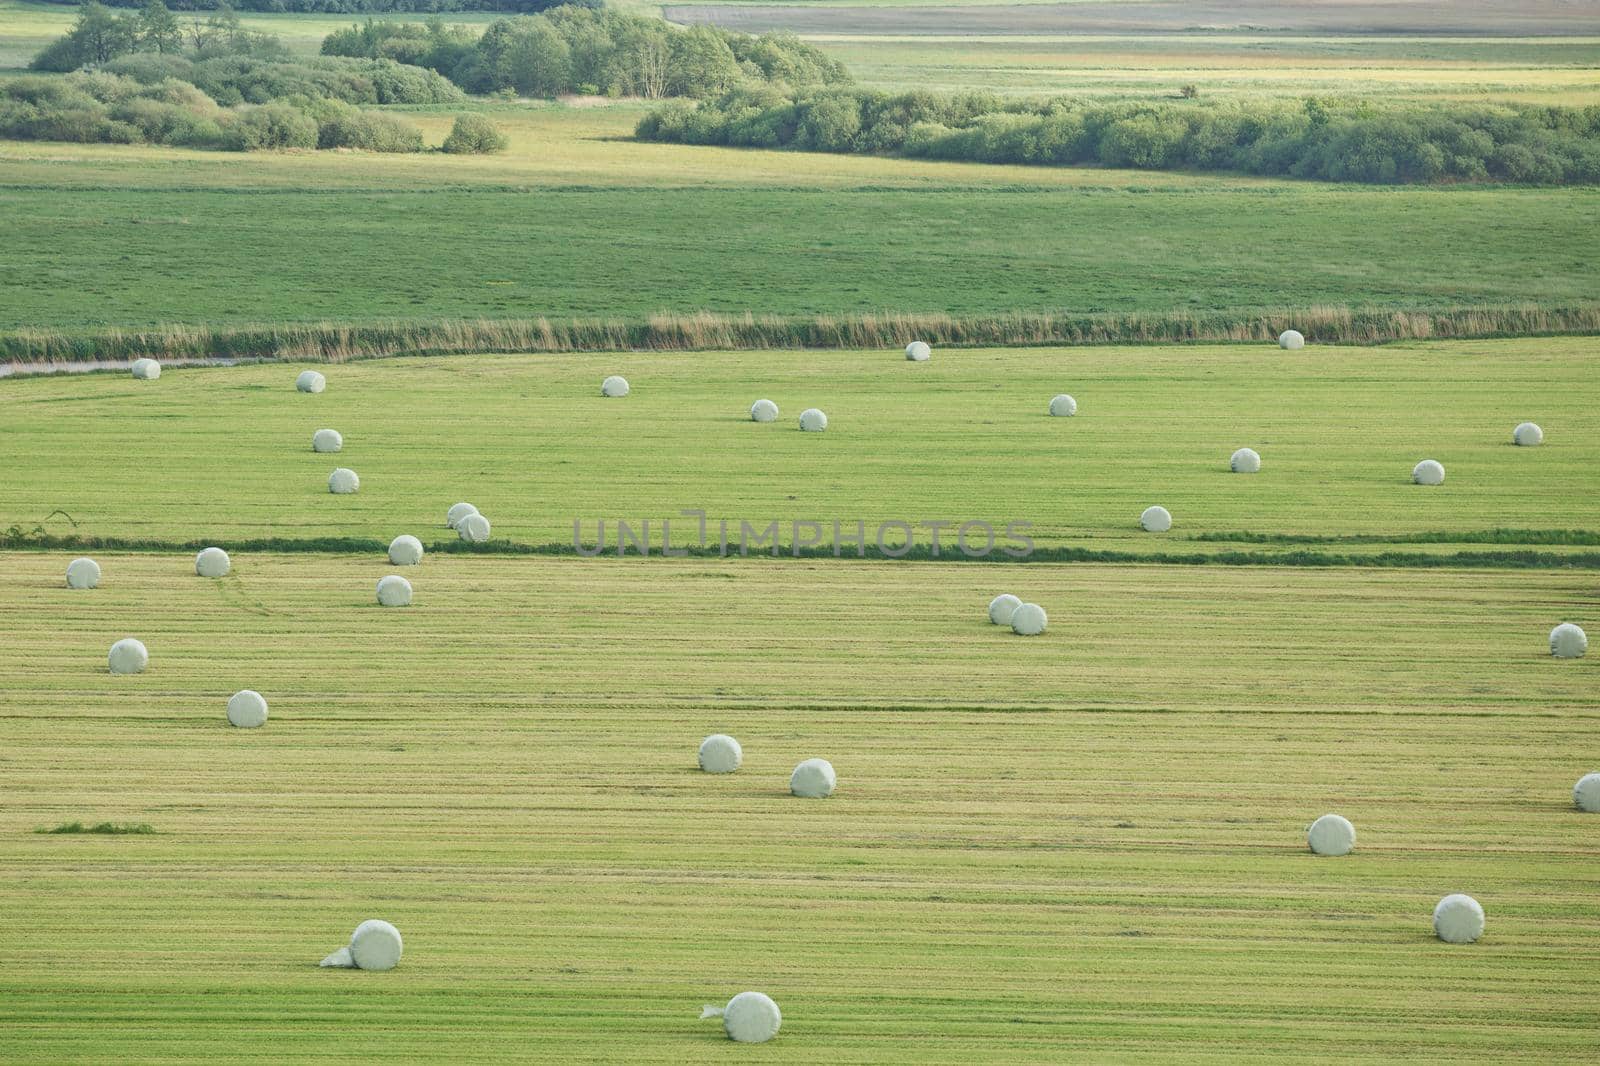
[225, 452]
[1086, 847]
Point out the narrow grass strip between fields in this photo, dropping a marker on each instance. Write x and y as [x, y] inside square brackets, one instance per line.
[16, 539]
[696, 331]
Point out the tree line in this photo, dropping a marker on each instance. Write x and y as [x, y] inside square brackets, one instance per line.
[145, 78]
[1336, 140]
[576, 48]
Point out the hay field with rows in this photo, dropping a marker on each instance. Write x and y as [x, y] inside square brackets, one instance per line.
[1083, 848]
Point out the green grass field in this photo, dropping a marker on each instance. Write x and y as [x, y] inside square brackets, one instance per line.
[381, 250]
[225, 453]
[1086, 847]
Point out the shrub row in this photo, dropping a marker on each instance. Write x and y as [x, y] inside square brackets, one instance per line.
[111, 108]
[1328, 139]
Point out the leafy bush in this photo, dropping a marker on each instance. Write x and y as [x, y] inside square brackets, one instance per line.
[1331, 140]
[474, 134]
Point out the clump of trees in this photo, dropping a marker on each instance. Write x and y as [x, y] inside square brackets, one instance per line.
[100, 35]
[575, 48]
[1328, 139]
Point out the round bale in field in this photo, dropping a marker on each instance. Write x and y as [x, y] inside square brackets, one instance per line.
[813, 421]
[1527, 435]
[918, 352]
[327, 440]
[310, 381]
[763, 411]
[394, 591]
[749, 1017]
[1002, 607]
[128, 656]
[1586, 793]
[1428, 472]
[1331, 835]
[1028, 620]
[1245, 461]
[1063, 406]
[813, 779]
[374, 945]
[247, 709]
[83, 573]
[1155, 520]
[212, 562]
[405, 550]
[457, 512]
[344, 481]
[1291, 340]
[1568, 641]
[720, 754]
[146, 369]
[474, 529]
[1458, 919]
[614, 386]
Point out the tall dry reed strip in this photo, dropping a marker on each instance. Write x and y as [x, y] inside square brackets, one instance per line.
[672, 331]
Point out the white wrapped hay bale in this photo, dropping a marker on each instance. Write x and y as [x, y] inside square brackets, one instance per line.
[1002, 607]
[1458, 919]
[375, 945]
[1586, 793]
[394, 591]
[1245, 461]
[474, 529]
[146, 369]
[1428, 472]
[1063, 406]
[1291, 340]
[1331, 835]
[457, 512]
[720, 754]
[212, 562]
[327, 440]
[128, 656]
[813, 779]
[310, 381]
[1155, 520]
[1028, 620]
[83, 574]
[405, 550]
[344, 481]
[1528, 435]
[1568, 641]
[749, 1017]
[918, 352]
[614, 386]
[813, 420]
[247, 709]
[763, 411]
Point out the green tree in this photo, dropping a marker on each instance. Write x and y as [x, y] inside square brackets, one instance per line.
[97, 37]
[159, 29]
